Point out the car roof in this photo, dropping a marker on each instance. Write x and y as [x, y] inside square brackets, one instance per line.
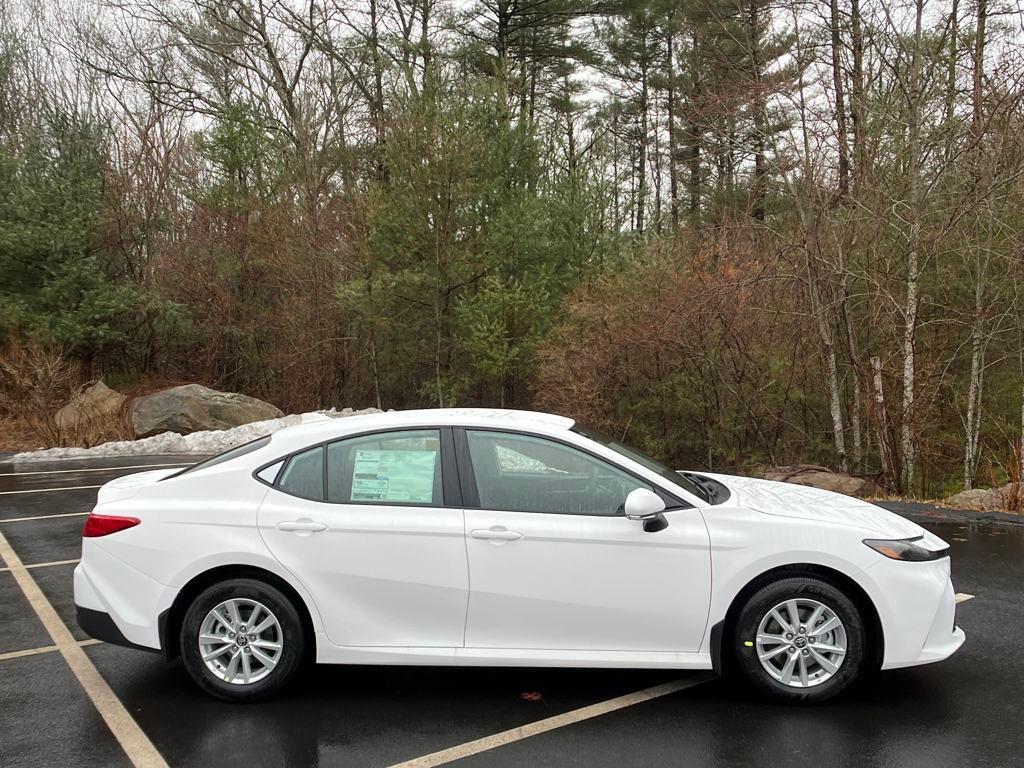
[310, 433]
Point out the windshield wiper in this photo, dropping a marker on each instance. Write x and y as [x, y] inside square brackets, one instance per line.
[709, 490]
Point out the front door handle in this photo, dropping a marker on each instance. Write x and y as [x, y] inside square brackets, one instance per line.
[496, 532]
[304, 525]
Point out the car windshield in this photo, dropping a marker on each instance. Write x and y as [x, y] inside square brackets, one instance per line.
[652, 464]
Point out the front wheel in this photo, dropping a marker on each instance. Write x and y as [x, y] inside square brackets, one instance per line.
[242, 640]
[800, 640]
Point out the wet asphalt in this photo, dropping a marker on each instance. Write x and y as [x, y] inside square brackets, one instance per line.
[966, 711]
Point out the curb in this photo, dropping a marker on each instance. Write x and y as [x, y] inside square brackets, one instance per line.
[919, 512]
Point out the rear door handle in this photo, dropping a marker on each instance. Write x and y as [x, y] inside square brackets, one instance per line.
[305, 525]
[496, 532]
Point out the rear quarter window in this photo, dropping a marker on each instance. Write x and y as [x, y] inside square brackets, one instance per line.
[228, 455]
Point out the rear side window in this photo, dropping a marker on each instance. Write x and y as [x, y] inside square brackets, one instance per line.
[228, 455]
[386, 468]
[304, 475]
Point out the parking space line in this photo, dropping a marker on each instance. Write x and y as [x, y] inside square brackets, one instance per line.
[130, 736]
[44, 649]
[45, 490]
[90, 469]
[963, 597]
[42, 517]
[549, 724]
[30, 566]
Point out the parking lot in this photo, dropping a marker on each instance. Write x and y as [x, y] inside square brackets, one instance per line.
[65, 700]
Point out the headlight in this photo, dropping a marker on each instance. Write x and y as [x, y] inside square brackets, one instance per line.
[906, 549]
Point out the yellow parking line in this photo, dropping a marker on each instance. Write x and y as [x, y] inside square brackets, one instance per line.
[44, 649]
[133, 740]
[549, 724]
[42, 517]
[45, 490]
[45, 565]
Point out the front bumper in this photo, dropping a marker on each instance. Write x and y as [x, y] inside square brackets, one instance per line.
[917, 607]
[940, 648]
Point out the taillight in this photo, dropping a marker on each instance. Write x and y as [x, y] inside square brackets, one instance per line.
[104, 525]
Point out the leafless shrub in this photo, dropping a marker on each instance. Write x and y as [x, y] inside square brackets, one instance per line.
[36, 379]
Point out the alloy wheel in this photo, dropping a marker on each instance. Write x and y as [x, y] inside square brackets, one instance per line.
[801, 643]
[240, 641]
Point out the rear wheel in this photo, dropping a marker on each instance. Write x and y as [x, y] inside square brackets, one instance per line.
[800, 640]
[242, 640]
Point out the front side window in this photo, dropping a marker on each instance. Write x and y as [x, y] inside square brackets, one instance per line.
[697, 489]
[523, 473]
[386, 468]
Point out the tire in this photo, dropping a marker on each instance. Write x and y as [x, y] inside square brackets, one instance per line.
[278, 621]
[813, 674]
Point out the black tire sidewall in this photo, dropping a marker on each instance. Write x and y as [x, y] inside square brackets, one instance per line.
[292, 631]
[777, 592]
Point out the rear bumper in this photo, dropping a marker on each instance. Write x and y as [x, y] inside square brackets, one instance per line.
[128, 600]
[99, 626]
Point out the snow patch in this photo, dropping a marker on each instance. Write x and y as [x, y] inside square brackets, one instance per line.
[203, 443]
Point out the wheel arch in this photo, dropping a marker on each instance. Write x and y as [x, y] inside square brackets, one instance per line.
[723, 631]
[170, 620]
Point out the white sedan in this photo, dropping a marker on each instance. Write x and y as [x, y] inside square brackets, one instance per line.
[502, 538]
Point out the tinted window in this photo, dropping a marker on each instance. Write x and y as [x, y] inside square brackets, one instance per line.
[304, 475]
[228, 455]
[522, 473]
[386, 468]
[671, 475]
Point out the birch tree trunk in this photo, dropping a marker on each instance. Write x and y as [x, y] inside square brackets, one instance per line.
[837, 84]
[882, 424]
[673, 171]
[972, 431]
[821, 317]
[908, 446]
[973, 425]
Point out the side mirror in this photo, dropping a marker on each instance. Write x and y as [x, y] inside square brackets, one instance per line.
[642, 504]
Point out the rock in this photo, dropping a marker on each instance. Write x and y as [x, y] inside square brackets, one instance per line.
[91, 411]
[981, 499]
[193, 408]
[825, 479]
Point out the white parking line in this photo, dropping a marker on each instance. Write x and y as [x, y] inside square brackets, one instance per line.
[90, 469]
[42, 517]
[963, 597]
[45, 565]
[549, 724]
[44, 649]
[133, 740]
[44, 490]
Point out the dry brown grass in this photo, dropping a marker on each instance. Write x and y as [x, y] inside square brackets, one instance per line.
[17, 434]
[36, 379]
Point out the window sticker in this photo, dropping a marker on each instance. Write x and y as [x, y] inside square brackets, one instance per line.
[394, 476]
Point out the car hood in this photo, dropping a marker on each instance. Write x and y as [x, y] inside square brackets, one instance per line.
[805, 503]
[127, 486]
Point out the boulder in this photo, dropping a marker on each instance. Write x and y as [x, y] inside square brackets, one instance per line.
[825, 479]
[194, 408]
[981, 499]
[93, 410]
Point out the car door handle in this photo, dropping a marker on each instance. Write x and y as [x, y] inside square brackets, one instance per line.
[498, 532]
[308, 526]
